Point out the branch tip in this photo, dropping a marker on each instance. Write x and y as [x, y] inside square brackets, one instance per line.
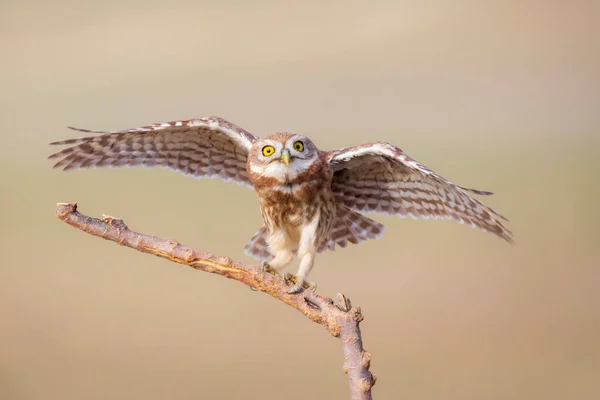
[62, 209]
[344, 303]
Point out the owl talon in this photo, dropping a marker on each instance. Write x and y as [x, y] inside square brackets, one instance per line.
[291, 279]
[287, 278]
[298, 285]
[297, 288]
[266, 267]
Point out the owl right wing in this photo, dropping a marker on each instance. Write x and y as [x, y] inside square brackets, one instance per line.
[203, 147]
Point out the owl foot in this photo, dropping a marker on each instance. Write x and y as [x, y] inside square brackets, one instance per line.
[266, 267]
[298, 285]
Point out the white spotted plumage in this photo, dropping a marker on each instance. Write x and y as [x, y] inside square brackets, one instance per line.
[311, 203]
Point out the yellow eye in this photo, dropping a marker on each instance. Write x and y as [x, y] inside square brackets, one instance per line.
[299, 146]
[268, 151]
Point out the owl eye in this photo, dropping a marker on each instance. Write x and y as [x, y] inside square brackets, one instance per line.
[268, 151]
[299, 146]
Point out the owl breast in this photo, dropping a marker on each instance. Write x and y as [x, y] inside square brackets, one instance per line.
[292, 204]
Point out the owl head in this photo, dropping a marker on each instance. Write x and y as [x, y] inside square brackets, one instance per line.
[283, 156]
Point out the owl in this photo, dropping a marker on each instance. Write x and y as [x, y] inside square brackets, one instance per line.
[311, 200]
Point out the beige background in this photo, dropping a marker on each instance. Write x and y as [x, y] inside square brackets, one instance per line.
[502, 96]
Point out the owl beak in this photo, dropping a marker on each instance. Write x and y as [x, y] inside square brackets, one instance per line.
[285, 156]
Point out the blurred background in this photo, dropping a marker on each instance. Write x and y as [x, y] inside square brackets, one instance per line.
[501, 96]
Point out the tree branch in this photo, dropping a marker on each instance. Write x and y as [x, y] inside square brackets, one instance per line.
[340, 320]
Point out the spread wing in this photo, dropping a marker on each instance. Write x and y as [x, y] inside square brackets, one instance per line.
[381, 178]
[204, 147]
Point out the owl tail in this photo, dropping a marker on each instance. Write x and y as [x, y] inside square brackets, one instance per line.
[350, 227]
[257, 247]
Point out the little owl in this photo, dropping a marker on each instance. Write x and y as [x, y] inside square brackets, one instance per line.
[311, 200]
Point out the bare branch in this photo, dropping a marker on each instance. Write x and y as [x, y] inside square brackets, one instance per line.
[340, 320]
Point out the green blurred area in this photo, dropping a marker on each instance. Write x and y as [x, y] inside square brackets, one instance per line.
[496, 96]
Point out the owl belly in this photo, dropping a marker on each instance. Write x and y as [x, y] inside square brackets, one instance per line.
[291, 211]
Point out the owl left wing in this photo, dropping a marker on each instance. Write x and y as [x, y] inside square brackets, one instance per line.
[381, 178]
[202, 147]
